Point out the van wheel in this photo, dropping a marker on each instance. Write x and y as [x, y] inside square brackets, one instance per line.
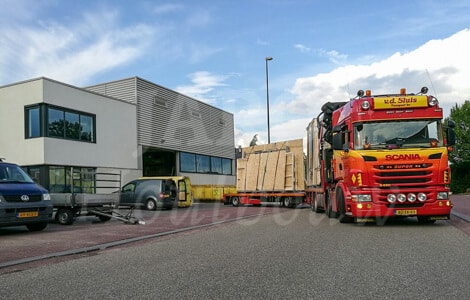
[37, 226]
[151, 204]
[65, 216]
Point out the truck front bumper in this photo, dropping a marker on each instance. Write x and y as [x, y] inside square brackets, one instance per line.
[440, 209]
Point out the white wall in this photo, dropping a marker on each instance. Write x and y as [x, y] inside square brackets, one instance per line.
[116, 127]
[13, 146]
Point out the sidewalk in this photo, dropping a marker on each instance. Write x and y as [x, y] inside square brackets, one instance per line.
[461, 207]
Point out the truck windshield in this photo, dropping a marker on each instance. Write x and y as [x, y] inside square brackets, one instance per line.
[398, 134]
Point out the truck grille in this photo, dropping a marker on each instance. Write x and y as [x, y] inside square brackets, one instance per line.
[415, 180]
[17, 198]
[403, 178]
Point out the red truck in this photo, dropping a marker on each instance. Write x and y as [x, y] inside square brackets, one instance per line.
[380, 156]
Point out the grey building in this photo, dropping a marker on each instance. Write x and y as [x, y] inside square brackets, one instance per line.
[176, 134]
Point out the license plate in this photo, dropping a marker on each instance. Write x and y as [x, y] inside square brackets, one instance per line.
[28, 214]
[405, 212]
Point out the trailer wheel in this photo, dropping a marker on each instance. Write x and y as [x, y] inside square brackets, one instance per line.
[65, 216]
[287, 202]
[235, 201]
[104, 218]
[343, 218]
[150, 204]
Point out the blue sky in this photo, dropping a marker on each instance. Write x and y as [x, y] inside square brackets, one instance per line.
[214, 51]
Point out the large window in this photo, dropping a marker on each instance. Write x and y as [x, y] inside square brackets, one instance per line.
[34, 125]
[196, 163]
[50, 121]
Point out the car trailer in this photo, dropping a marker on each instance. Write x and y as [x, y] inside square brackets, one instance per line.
[108, 214]
[99, 196]
[69, 206]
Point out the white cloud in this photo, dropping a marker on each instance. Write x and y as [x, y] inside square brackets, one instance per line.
[302, 48]
[445, 61]
[167, 8]
[203, 83]
[72, 53]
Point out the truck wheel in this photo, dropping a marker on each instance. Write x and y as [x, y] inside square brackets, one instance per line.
[65, 216]
[343, 218]
[150, 204]
[235, 201]
[37, 226]
[315, 207]
[329, 209]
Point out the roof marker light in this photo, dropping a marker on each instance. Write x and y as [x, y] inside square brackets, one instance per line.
[432, 101]
[365, 105]
[402, 91]
[368, 93]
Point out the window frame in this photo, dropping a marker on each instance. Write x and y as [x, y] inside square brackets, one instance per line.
[74, 131]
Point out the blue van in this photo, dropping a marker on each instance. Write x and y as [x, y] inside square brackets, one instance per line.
[22, 201]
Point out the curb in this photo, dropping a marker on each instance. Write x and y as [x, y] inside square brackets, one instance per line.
[461, 216]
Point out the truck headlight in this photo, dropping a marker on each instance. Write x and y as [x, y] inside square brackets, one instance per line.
[361, 198]
[46, 197]
[442, 196]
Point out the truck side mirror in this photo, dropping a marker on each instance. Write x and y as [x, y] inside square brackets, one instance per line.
[450, 137]
[450, 133]
[338, 141]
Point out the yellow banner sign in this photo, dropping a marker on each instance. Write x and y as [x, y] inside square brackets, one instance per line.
[400, 102]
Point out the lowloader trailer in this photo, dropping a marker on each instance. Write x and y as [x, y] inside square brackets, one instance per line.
[270, 173]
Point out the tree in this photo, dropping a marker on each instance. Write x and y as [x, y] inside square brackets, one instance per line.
[460, 156]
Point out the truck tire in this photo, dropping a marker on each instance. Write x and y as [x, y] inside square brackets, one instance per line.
[343, 218]
[315, 207]
[150, 204]
[329, 209]
[37, 226]
[235, 201]
[65, 216]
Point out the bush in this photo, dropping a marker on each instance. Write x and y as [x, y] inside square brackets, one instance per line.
[460, 180]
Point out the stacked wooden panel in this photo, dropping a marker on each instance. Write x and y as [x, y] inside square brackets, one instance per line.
[275, 167]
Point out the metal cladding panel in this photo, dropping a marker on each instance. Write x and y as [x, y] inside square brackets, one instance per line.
[124, 89]
[170, 120]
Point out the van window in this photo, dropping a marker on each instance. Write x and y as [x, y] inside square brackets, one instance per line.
[13, 173]
[130, 187]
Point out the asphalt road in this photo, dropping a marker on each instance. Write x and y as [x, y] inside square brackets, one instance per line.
[291, 254]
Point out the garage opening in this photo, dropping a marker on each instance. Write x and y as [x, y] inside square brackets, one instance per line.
[157, 162]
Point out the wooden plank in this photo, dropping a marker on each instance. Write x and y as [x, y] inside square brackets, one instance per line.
[272, 167]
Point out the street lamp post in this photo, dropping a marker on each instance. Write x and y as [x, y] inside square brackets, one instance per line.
[268, 58]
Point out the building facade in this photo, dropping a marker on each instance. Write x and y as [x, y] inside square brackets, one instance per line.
[131, 127]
